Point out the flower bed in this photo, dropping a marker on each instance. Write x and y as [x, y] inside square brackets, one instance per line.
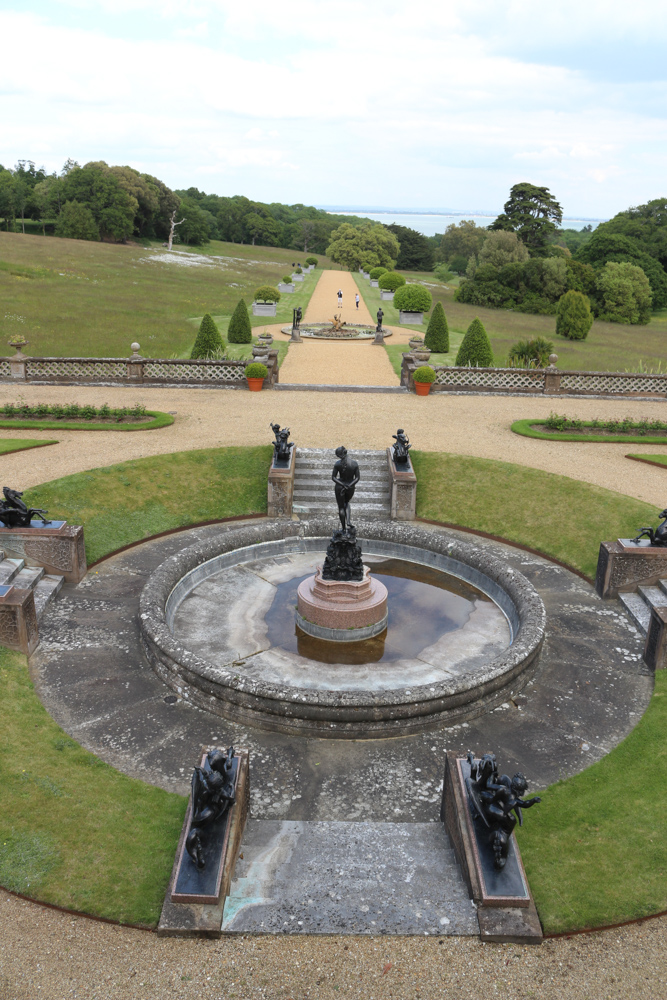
[626, 431]
[71, 416]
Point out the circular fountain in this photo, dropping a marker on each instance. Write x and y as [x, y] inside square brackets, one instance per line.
[464, 631]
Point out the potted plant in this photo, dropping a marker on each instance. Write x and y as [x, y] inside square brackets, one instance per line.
[415, 342]
[286, 285]
[298, 274]
[412, 301]
[375, 274]
[423, 378]
[311, 262]
[422, 353]
[265, 338]
[388, 283]
[255, 374]
[266, 298]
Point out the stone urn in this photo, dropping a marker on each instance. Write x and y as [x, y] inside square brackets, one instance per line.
[266, 339]
[260, 352]
[421, 354]
[415, 343]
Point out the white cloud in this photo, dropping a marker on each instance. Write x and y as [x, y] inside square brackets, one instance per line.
[337, 102]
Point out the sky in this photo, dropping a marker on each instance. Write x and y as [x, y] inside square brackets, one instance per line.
[427, 104]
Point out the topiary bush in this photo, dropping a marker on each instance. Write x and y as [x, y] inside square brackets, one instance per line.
[530, 353]
[412, 298]
[208, 341]
[573, 316]
[475, 350]
[267, 293]
[437, 332]
[240, 331]
[390, 281]
[287, 279]
[311, 261]
[424, 374]
[297, 270]
[377, 272]
[256, 370]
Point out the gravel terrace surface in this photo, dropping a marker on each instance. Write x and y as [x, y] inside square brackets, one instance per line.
[337, 362]
[469, 425]
[55, 956]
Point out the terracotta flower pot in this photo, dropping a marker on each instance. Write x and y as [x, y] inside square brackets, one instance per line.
[421, 388]
[255, 384]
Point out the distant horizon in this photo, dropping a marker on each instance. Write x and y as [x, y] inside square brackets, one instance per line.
[464, 214]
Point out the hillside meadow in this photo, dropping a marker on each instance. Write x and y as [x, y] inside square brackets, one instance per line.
[79, 298]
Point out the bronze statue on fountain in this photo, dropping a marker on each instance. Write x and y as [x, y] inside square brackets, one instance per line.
[343, 561]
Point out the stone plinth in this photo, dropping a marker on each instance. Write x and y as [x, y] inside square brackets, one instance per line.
[624, 564]
[340, 610]
[58, 547]
[281, 487]
[403, 489]
[655, 649]
[505, 907]
[18, 619]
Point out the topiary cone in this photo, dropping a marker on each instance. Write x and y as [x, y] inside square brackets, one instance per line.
[240, 331]
[208, 339]
[437, 332]
[475, 350]
[573, 316]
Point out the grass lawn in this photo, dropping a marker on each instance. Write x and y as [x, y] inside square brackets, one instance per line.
[531, 429]
[81, 299]
[30, 424]
[609, 347]
[74, 831]
[8, 445]
[650, 459]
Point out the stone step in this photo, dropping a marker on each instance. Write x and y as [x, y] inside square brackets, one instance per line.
[347, 878]
[663, 586]
[9, 569]
[369, 511]
[319, 493]
[46, 590]
[637, 609]
[655, 597]
[28, 577]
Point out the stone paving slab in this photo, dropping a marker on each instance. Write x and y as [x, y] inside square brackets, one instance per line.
[348, 878]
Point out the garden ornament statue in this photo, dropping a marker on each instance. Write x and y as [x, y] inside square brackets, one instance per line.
[401, 448]
[15, 514]
[281, 446]
[657, 536]
[380, 316]
[497, 800]
[212, 795]
[343, 559]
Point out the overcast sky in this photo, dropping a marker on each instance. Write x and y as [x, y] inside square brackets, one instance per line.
[427, 103]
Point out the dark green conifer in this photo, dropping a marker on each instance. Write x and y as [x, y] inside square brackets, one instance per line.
[240, 331]
[475, 350]
[208, 340]
[437, 332]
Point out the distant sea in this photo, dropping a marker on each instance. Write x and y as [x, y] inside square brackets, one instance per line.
[430, 223]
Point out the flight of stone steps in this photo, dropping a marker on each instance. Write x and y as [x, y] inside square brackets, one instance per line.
[639, 604]
[314, 491]
[45, 586]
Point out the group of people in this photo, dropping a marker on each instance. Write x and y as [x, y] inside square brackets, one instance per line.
[340, 299]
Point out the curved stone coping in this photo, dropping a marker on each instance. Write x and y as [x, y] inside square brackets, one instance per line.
[224, 690]
[361, 332]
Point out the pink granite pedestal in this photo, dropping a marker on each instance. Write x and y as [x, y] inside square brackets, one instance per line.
[342, 611]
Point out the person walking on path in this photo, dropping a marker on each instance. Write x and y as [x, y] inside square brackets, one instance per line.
[356, 299]
[340, 298]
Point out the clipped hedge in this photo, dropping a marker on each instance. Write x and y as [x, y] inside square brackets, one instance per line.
[475, 350]
[311, 261]
[390, 281]
[240, 330]
[377, 272]
[267, 293]
[412, 298]
[437, 332]
[208, 341]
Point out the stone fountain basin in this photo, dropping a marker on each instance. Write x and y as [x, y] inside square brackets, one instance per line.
[218, 656]
[351, 331]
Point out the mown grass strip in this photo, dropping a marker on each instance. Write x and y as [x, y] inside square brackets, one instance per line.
[529, 428]
[659, 460]
[159, 420]
[8, 445]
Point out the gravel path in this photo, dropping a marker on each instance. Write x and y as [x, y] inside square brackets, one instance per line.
[337, 362]
[469, 425]
[56, 956]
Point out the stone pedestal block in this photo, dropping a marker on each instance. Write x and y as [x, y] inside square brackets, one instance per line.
[341, 610]
[281, 488]
[505, 907]
[18, 619]
[59, 548]
[624, 564]
[187, 915]
[264, 308]
[655, 648]
[414, 318]
[403, 490]
[386, 295]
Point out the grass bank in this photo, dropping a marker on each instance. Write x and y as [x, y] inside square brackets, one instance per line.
[8, 445]
[532, 429]
[75, 832]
